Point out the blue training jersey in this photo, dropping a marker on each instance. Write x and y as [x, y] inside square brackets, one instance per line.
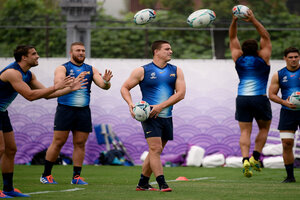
[289, 82]
[78, 98]
[7, 92]
[253, 73]
[158, 85]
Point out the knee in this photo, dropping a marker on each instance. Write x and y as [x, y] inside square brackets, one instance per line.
[155, 149]
[10, 150]
[2, 150]
[287, 146]
[79, 144]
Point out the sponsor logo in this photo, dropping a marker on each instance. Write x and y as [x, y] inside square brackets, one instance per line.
[162, 72]
[293, 75]
[172, 75]
[148, 132]
[153, 75]
[284, 79]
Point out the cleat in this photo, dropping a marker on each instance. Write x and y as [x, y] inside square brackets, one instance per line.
[255, 164]
[2, 195]
[247, 169]
[165, 188]
[15, 193]
[48, 180]
[147, 187]
[289, 180]
[78, 180]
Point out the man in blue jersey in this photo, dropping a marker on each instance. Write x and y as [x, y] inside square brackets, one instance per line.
[73, 113]
[162, 85]
[17, 78]
[288, 81]
[253, 68]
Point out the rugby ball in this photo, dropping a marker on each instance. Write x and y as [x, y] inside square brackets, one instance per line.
[201, 18]
[144, 16]
[141, 111]
[240, 11]
[295, 99]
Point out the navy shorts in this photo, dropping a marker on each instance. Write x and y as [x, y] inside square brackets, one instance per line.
[249, 107]
[158, 127]
[73, 118]
[5, 125]
[289, 119]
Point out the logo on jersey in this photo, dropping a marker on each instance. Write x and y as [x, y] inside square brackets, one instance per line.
[172, 75]
[72, 72]
[153, 75]
[284, 79]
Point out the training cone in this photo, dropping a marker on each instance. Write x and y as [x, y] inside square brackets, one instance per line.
[181, 178]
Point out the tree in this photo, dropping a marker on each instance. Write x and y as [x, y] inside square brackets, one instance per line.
[30, 25]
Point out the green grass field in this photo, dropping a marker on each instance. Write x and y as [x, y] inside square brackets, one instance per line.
[119, 182]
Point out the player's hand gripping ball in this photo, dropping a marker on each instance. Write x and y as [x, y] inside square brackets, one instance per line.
[295, 99]
[144, 16]
[201, 18]
[240, 11]
[141, 111]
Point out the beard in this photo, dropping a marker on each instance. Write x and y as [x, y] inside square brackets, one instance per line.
[78, 60]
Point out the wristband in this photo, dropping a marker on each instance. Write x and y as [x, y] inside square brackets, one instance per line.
[106, 82]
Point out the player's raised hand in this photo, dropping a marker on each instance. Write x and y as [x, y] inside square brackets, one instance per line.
[107, 75]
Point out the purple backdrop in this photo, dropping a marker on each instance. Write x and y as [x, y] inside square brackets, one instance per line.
[205, 117]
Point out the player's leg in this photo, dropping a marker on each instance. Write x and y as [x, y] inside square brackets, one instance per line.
[59, 139]
[287, 139]
[7, 165]
[260, 140]
[79, 141]
[246, 128]
[288, 124]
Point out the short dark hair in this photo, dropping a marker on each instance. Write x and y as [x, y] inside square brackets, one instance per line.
[157, 45]
[76, 43]
[250, 47]
[290, 50]
[22, 50]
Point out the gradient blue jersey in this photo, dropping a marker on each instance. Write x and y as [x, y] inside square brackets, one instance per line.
[7, 92]
[253, 73]
[289, 82]
[78, 98]
[158, 85]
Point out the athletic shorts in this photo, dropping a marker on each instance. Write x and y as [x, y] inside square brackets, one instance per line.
[249, 107]
[289, 119]
[73, 118]
[158, 127]
[5, 125]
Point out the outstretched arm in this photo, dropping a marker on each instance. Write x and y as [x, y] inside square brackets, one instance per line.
[265, 40]
[234, 42]
[102, 81]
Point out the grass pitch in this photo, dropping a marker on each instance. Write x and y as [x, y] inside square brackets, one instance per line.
[119, 182]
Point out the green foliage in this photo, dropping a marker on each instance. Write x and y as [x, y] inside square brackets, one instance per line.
[36, 14]
[124, 39]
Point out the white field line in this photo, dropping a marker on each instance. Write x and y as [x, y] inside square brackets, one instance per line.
[190, 179]
[68, 190]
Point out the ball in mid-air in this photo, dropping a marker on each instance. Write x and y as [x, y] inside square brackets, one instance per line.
[201, 18]
[141, 111]
[144, 16]
[240, 11]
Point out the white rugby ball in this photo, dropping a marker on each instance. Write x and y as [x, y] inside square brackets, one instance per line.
[295, 99]
[201, 18]
[240, 11]
[141, 111]
[144, 16]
